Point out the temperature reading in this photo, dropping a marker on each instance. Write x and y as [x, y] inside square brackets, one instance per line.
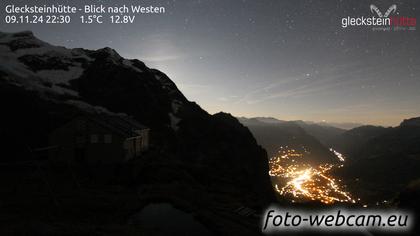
[91, 19]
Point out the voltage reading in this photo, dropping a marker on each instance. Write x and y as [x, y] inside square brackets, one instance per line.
[125, 19]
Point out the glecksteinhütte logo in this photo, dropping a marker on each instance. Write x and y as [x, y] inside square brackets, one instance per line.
[391, 9]
[390, 20]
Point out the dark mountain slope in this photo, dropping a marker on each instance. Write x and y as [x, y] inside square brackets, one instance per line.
[352, 140]
[209, 156]
[325, 134]
[272, 136]
[386, 163]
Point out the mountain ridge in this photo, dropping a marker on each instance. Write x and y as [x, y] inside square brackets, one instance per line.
[382, 161]
[338, 125]
[273, 135]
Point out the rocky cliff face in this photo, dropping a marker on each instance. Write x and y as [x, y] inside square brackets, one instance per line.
[43, 85]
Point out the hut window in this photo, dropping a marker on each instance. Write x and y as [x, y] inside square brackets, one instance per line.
[107, 138]
[94, 138]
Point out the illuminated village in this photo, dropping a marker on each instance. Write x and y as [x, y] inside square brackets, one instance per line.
[300, 181]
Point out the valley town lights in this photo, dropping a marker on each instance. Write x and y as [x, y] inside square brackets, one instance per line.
[305, 182]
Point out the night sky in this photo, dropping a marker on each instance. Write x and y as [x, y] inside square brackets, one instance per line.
[286, 59]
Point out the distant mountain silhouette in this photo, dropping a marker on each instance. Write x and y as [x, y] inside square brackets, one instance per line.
[413, 122]
[269, 120]
[384, 160]
[351, 141]
[324, 133]
[340, 125]
[273, 135]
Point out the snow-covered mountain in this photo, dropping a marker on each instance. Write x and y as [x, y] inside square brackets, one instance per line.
[54, 71]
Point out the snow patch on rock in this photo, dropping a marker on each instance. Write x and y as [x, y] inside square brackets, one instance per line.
[64, 91]
[129, 64]
[176, 105]
[61, 76]
[43, 80]
[88, 107]
[174, 121]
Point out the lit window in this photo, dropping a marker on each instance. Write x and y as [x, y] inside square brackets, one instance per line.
[107, 138]
[94, 138]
